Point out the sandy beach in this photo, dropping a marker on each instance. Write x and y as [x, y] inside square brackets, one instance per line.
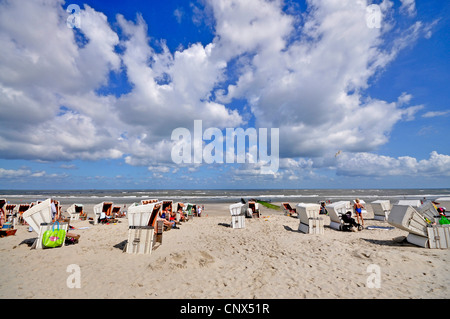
[206, 258]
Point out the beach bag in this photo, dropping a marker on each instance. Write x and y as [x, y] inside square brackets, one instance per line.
[53, 237]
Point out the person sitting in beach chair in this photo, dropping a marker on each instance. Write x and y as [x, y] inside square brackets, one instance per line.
[350, 223]
[323, 210]
[167, 223]
[181, 213]
[173, 218]
[103, 218]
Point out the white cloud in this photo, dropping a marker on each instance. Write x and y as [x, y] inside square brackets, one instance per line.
[311, 87]
[43, 69]
[14, 173]
[25, 174]
[306, 75]
[408, 7]
[178, 13]
[368, 164]
[436, 113]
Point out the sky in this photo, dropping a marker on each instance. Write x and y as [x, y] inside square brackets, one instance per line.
[350, 94]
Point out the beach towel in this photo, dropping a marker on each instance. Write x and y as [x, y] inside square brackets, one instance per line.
[380, 227]
[54, 237]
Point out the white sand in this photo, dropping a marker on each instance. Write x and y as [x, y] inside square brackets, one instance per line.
[269, 258]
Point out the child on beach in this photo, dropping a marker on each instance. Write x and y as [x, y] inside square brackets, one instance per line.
[358, 211]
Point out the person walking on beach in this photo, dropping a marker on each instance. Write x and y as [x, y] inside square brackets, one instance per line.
[358, 211]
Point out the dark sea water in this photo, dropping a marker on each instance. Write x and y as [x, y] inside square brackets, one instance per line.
[127, 196]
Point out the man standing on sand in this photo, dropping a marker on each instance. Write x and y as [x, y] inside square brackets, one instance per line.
[358, 211]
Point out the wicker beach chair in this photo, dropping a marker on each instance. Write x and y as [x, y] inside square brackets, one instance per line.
[381, 209]
[102, 212]
[238, 212]
[420, 223]
[310, 222]
[142, 235]
[288, 210]
[75, 212]
[253, 207]
[39, 217]
[336, 211]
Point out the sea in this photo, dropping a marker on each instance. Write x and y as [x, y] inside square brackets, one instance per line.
[128, 196]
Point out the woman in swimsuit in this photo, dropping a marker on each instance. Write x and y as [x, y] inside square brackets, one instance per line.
[358, 211]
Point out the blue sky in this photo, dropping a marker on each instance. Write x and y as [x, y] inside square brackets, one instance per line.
[357, 105]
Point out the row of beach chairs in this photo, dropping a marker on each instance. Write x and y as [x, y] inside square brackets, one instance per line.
[420, 219]
[145, 228]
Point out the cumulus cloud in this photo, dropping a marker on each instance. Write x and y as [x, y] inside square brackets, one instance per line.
[14, 173]
[24, 174]
[306, 74]
[369, 164]
[312, 86]
[49, 110]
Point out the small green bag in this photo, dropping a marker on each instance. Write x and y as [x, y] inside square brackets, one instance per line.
[54, 237]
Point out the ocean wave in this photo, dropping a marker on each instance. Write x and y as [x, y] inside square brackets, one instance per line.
[225, 195]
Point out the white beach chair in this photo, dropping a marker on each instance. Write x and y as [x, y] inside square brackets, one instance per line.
[408, 218]
[381, 209]
[169, 204]
[74, 211]
[310, 222]
[429, 211]
[177, 207]
[39, 217]
[288, 210]
[141, 230]
[335, 211]
[105, 207]
[409, 202]
[438, 237]
[253, 209]
[10, 217]
[115, 212]
[420, 223]
[22, 208]
[238, 212]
